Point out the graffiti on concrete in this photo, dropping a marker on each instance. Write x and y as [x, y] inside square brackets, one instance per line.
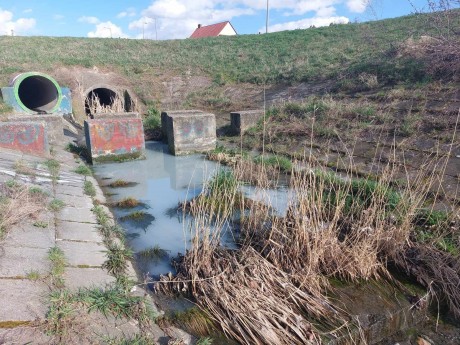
[130, 129]
[192, 128]
[114, 136]
[105, 131]
[25, 137]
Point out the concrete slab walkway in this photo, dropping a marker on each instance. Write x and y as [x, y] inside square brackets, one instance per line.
[24, 264]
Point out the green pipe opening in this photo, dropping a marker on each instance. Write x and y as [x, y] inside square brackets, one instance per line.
[37, 92]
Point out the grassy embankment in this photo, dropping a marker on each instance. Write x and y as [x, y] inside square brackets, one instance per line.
[338, 52]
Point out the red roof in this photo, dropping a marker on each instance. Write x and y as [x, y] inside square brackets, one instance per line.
[210, 30]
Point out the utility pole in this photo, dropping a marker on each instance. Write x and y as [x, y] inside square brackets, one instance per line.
[266, 19]
[143, 29]
[156, 33]
[12, 32]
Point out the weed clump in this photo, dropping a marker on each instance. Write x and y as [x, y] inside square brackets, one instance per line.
[280, 162]
[89, 189]
[117, 259]
[154, 253]
[121, 183]
[56, 205]
[127, 203]
[83, 170]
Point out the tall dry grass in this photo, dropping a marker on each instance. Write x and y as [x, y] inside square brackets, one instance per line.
[275, 288]
[17, 203]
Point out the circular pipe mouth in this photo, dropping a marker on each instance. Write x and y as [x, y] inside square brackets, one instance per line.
[37, 92]
[106, 100]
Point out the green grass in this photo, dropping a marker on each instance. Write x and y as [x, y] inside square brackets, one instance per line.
[58, 262]
[56, 205]
[280, 162]
[154, 252]
[34, 190]
[89, 189]
[117, 259]
[281, 57]
[204, 341]
[53, 167]
[153, 119]
[83, 170]
[109, 301]
[33, 275]
[40, 224]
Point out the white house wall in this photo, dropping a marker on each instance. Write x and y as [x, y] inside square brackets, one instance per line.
[227, 31]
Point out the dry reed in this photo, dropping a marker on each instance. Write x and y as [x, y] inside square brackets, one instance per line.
[16, 204]
[274, 288]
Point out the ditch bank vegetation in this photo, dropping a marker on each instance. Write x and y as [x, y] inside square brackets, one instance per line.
[287, 281]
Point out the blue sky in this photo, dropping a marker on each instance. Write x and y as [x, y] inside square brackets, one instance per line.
[170, 19]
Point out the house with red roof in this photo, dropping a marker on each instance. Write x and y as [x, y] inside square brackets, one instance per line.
[214, 30]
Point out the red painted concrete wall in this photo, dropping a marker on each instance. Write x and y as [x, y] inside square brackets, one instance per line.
[114, 136]
[27, 137]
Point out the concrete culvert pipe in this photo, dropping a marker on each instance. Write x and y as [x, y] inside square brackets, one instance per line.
[37, 92]
[103, 99]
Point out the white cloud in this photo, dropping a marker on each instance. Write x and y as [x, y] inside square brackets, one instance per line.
[129, 12]
[58, 17]
[107, 29]
[19, 26]
[358, 6]
[306, 23]
[89, 20]
[27, 10]
[178, 18]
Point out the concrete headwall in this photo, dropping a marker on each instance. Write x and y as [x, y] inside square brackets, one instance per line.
[114, 138]
[53, 123]
[189, 131]
[242, 120]
[30, 137]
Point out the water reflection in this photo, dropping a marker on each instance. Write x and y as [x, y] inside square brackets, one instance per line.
[163, 181]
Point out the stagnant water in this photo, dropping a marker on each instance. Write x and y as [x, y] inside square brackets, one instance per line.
[162, 181]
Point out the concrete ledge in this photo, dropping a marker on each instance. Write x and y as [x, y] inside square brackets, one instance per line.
[189, 131]
[115, 138]
[30, 137]
[242, 120]
[53, 123]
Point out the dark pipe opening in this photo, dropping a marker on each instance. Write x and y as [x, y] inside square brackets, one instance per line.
[38, 93]
[105, 97]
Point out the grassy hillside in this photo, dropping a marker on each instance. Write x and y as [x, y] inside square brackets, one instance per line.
[283, 57]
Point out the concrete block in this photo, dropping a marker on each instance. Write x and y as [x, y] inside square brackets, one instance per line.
[29, 137]
[77, 215]
[114, 138]
[53, 123]
[18, 261]
[242, 120]
[190, 131]
[28, 236]
[82, 232]
[76, 277]
[22, 300]
[77, 201]
[83, 253]
[164, 120]
[101, 116]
